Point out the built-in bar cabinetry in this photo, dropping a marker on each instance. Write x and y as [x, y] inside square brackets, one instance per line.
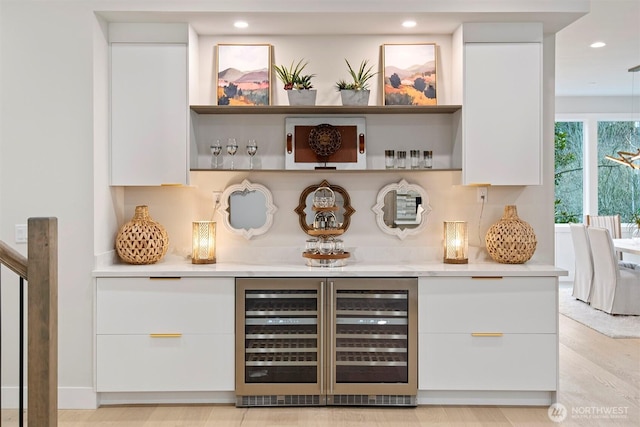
[480, 339]
[494, 137]
[489, 334]
[159, 334]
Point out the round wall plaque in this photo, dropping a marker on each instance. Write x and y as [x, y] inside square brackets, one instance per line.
[325, 139]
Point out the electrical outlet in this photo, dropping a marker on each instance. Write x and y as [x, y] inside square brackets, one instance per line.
[217, 198]
[483, 194]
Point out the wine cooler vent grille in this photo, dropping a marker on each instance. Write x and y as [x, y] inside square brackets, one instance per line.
[374, 400]
[281, 400]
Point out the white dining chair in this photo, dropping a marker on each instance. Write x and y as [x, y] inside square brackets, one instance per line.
[610, 222]
[616, 288]
[583, 273]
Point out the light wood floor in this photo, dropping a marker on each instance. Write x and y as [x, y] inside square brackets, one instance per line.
[597, 374]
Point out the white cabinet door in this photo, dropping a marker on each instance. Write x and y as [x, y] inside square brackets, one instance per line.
[488, 333]
[165, 334]
[502, 114]
[149, 114]
[143, 305]
[141, 363]
[508, 362]
[488, 304]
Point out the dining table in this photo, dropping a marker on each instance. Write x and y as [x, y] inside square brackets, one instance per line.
[630, 246]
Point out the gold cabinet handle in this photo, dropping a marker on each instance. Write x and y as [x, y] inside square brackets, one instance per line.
[486, 334]
[165, 335]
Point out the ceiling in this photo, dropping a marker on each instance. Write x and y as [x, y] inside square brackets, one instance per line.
[585, 71]
[580, 69]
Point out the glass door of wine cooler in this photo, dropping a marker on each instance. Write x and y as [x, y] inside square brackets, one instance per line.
[373, 343]
[305, 342]
[278, 342]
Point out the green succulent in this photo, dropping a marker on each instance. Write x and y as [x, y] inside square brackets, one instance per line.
[291, 76]
[360, 78]
[303, 82]
[343, 85]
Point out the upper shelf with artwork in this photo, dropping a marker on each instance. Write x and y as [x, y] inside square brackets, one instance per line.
[245, 75]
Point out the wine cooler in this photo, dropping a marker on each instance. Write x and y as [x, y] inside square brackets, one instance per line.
[336, 341]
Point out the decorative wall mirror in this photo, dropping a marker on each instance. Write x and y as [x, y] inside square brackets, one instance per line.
[402, 209]
[247, 209]
[306, 214]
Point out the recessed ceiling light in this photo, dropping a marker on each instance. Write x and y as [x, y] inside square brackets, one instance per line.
[240, 24]
[598, 44]
[409, 24]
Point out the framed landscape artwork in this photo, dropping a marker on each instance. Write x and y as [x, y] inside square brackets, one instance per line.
[243, 74]
[409, 74]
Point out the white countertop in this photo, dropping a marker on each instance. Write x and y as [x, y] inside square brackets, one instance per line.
[175, 266]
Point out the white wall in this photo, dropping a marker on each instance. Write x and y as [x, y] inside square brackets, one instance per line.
[46, 168]
[53, 163]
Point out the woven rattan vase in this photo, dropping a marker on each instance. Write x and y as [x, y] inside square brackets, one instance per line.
[142, 240]
[511, 240]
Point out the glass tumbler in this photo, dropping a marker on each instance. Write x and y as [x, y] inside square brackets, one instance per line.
[389, 159]
[401, 162]
[311, 246]
[415, 159]
[428, 159]
[326, 246]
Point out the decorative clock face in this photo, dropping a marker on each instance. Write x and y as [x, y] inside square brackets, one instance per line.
[325, 139]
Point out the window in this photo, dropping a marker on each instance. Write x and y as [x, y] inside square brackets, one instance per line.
[569, 176]
[617, 184]
[586, 182]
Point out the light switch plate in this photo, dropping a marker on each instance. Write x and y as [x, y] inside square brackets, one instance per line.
[21, 233]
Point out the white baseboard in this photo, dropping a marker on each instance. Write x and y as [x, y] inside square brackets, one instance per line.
[185, 398]
[473, 397]
[68, 398]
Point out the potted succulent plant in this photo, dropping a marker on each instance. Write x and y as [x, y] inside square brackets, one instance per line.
[298, 85]
[635, 218]
[356, 92]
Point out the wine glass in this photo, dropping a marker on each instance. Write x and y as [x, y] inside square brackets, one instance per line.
[216, 149]
[232, 149]
[252, 148]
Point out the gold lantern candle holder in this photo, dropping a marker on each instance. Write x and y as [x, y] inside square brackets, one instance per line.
[456, 242]
[203, 248]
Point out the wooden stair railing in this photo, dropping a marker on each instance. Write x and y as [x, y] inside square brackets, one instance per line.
[40, 269]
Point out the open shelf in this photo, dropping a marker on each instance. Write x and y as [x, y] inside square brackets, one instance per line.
[327, 109]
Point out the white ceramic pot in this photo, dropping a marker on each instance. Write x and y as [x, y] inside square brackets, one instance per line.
[302, 97]
[355, 97]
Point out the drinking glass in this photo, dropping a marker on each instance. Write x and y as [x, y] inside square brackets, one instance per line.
[401, 161]
[252, 148]
[232, 149]
[428, 159]
[389, 159]
[216, 149]
[415, 159]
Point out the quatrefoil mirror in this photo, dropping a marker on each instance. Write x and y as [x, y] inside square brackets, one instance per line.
[247, 209]
[401, 209]
[306, 213]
